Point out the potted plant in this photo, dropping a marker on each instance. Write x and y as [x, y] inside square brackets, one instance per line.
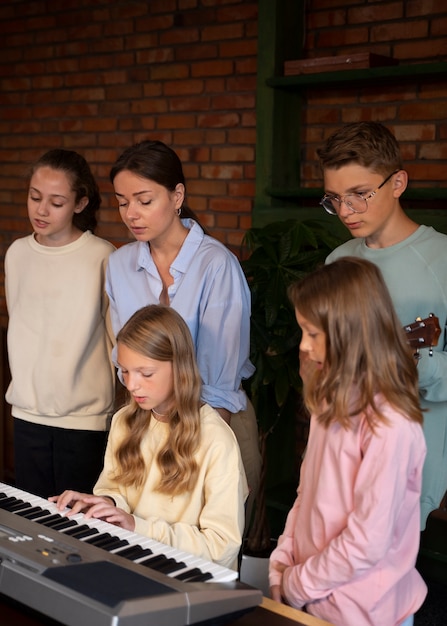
[280, 253]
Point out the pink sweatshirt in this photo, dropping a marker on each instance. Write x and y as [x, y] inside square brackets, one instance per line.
[351, 539]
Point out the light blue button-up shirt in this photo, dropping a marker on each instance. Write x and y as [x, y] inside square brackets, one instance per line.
[209, 291]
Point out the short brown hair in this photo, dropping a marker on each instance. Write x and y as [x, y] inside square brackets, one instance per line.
[368, 144]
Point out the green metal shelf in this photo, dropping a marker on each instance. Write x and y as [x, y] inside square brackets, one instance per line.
[384, 73]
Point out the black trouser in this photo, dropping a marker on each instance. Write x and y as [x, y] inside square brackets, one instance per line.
[49, 460]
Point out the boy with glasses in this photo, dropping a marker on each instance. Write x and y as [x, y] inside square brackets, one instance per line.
[363, 182]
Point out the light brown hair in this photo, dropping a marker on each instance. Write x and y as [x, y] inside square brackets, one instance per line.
[160, 333]
[366, 347]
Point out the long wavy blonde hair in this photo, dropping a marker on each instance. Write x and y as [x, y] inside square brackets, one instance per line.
[366, 348]
[160, 333]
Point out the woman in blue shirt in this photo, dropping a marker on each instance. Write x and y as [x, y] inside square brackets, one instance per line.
[174, 262]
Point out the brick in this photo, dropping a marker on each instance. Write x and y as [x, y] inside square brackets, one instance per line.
[152, 105]
[426, 171]
[230, 172]
[207, 188]
[438, 27]
[183, 87]
[232, 49]
[223, 31]
[422, 111]
[214, 137]
[242, 189]
[230, 205]
[227, 221]
[423, 7]
[234, 101]
[179, 36]
[242, 136]
[378, 114]
[400, 30]
[170, 71]
[155, 55]
[322, 19]
[175, 121]
[155, 23]
[212, 68]
[341, 37]
[242, 83]
[246, 66]
[214, 85]
[246, 11]
[195, 52]
[419, 50]
[200, 103]
[233, 154]
[414, 132]
[375, 13]
[433, 151]
[218, 120]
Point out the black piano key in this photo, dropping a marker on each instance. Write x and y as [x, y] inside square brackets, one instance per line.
[97, 540]
[21, 507]
[82, 531]
[113, 544]
[30, 511]
[199, 578]
[12, 507]
[154, 560]
[47, 521]
[194, 574]
[158, 562]
[5, 502]
[134, 552]
[64, 523]
[38, 514]
[54, 521]
[170, 566]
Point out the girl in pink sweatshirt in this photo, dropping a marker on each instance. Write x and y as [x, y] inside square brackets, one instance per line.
[349, 547]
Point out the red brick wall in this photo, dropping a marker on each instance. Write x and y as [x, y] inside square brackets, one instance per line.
[412, 31]
[97, 75]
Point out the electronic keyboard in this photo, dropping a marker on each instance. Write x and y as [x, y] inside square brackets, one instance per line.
[93, 573]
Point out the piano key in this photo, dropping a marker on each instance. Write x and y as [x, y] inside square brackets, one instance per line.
[134, 552]
[49, 519]
[5, 503]
[12, 507]
[55, 523]
[207, 570]
[114, 544]
[100, 537]
[82, 531]
[64, 523]
[29, 511]
[201, 577]
[39, 512]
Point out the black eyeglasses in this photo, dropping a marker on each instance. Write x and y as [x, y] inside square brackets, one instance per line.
[356, 202]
